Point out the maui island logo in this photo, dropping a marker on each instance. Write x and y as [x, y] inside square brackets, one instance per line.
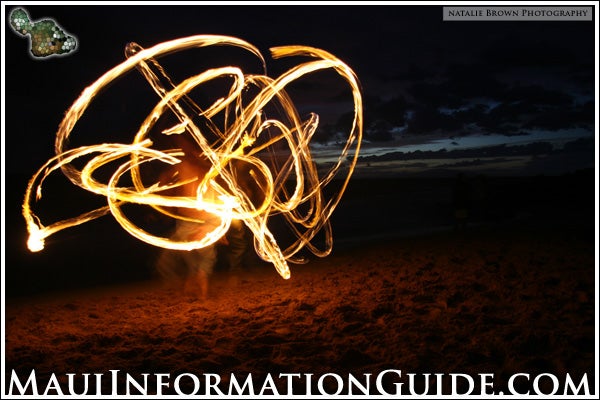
[46, 37]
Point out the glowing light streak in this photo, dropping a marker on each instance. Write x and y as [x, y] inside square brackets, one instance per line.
[245, 137]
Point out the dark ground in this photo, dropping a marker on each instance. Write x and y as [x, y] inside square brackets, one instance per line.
[514, 292]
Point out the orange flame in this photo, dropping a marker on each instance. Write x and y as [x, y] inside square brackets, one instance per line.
[245, 136]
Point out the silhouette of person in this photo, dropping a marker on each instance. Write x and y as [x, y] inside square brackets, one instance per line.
[461, 199]
[194, 266]
[237, 237]
[236, 246]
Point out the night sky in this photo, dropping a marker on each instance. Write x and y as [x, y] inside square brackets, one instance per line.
[525, 90]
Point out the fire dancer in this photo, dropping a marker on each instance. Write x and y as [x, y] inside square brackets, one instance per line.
[196, 265]
[237, 236]
[235, 250]
[461, 200]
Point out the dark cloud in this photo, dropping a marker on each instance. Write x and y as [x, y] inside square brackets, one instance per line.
[515, 108]
[578, 146]
[379, 131]
[460, 86]
[510, 80]
[476, 80]
[472, 114]
[538, 95]
[380, 118]
[392, 111]
[456, 107]
[553, 119]
[429, 119]
[507, 118]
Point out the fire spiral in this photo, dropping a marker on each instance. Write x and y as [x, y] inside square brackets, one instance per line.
[238, 129]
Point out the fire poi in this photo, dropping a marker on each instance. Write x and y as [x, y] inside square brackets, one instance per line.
[234, 129]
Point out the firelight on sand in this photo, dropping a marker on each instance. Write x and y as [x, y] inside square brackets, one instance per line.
[233, 129]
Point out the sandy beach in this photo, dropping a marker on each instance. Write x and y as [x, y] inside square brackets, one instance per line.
[499, 301]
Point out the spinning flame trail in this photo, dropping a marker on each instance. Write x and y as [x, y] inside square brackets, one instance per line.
[234, 130]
